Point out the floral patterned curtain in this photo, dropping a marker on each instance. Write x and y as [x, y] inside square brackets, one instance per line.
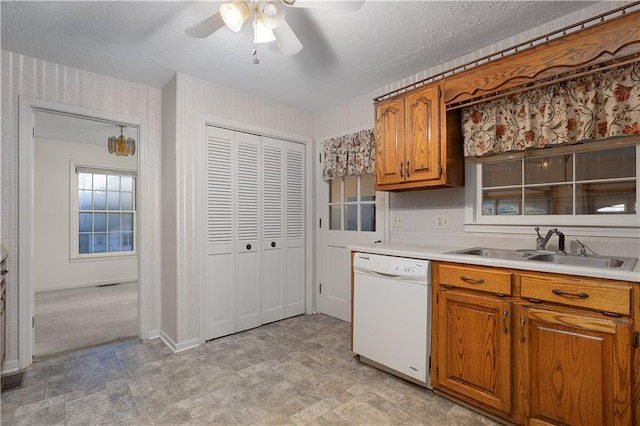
[349, 155]
[591, 107]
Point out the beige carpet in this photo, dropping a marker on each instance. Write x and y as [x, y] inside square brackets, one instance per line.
[67, 320]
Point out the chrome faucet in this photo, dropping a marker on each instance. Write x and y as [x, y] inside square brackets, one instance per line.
[541, 242]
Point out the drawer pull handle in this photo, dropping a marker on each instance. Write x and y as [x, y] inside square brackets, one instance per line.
[564, 293]
[472, 280]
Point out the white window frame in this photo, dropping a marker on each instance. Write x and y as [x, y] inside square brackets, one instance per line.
[74, 255]
[596, 225]
[343, 204]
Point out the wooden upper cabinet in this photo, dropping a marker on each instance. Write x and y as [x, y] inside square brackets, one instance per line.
[412, 149]
[422, 127]
[389, 141]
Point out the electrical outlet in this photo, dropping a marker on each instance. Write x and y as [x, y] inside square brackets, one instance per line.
[442, 222]
[397, 221]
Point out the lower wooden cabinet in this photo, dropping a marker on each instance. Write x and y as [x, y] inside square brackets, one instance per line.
[537, 348]
[573, 369]
[474, 351]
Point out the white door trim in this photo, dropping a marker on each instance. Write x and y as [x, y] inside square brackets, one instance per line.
[199, 202]
[26, 123]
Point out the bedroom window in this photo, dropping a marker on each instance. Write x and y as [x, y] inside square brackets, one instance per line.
[588, 184]
[104, 212]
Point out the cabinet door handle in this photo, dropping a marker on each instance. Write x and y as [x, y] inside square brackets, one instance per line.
[472, 280]
[248, 246]
[564, 293]
[522, 320]
[407, 169]
[273, 243]
[401, 174]
[505, 314]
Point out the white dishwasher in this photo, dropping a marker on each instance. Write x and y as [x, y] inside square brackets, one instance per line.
[392, 315]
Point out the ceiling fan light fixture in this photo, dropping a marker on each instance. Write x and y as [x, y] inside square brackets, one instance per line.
[234, 14]
[263, 34]
[271, 13]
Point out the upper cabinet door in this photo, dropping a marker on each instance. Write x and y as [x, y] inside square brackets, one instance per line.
[422, 127]
[390, 141]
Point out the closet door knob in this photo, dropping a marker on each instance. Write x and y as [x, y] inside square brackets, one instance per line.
[248, 246]
[273, 243]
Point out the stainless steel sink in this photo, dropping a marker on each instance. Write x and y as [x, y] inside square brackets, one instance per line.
[606, 262]
[621, 263]
[495, 253]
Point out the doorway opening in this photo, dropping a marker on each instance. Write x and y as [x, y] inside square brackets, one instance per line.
[85, 227]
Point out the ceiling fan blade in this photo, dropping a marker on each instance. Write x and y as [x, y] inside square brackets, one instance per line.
[328, 4]
[286, 39]
[207, 27]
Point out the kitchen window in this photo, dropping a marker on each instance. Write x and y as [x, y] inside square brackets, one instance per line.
[103, 212]
[352, 203]
[591, 184]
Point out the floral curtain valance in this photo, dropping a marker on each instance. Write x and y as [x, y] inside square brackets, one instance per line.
[349, 155]
[596, 106]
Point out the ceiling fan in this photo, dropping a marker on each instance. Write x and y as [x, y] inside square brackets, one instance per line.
[268, 20]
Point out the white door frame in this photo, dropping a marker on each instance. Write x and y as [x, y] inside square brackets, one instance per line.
[200, 202]
[26, 125]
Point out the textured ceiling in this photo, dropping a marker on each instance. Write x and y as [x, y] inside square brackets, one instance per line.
[346, 53]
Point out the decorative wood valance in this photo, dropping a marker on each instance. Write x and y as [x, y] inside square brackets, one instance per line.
[595, 106]
[352, 154]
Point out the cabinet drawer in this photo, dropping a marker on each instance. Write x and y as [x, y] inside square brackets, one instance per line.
[491, 280]
[587, 293]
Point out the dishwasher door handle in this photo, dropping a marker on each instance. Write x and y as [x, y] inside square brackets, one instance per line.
[383, 274]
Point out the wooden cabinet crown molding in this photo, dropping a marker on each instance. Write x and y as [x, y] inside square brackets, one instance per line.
[611, 40]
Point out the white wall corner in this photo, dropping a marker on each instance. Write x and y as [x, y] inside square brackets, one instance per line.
[178, 347]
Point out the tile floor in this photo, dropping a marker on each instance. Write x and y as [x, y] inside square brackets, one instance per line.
[297, 371]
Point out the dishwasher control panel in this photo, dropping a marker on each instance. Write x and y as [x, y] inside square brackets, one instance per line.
[391, 266]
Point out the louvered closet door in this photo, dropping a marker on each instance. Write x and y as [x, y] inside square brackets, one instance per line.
[220, 266]
[248, 251]
[294, 229]
[273, 225]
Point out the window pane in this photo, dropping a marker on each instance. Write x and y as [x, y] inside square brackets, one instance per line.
[126, 200]
[85, 243]
[606, 198]
[335, 193]
[502, 173]
[84, 200]
[558, 168]
[99, 200]
[113, 183]
[100, 182]
[99, 243]
[127, 221]
[84, 181]
[367, 188]
[351, 217]
[114, 241]
[85, 222]
[335, 218]
[606, 164]
[127, 241]
[351, 188]
[126, 183]
[552, 199]
[100, 222]
[501, 202]
[114, 222]
[113, 200]
[368, 217]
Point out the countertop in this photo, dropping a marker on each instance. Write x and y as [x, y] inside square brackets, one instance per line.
[431, 252]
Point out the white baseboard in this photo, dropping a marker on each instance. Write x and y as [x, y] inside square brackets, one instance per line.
[10, 366]
[86, 284]
[153, 334]
[178, 347]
